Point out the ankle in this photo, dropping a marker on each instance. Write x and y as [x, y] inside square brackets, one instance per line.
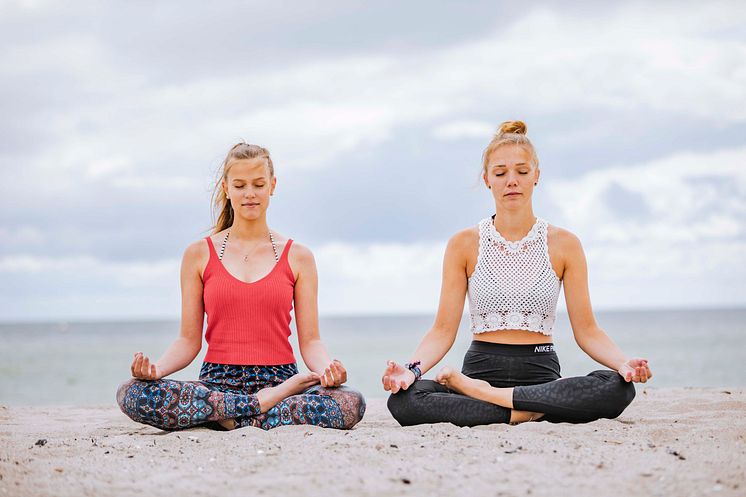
[266, 398]
[228, 424]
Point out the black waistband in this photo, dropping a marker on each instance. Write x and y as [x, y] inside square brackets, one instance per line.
[511, 350]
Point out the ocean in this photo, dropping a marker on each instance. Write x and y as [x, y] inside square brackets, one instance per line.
[80, 363]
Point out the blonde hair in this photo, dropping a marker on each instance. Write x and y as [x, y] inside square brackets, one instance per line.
[222, 209]
[509, 133]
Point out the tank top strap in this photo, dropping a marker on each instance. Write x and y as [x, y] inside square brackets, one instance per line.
[284, 261]
[284, 256]
[543, 234]
[211, 260]
[484, 231]
[542, 228]
[211, 246]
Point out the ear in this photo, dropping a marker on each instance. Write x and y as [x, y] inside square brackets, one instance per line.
[273, 185]
[538, 173]
[484, 178]
[224, 186]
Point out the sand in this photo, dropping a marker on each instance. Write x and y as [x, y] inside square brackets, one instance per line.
[668, 442]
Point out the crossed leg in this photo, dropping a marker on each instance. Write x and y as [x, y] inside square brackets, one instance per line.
[171, 404]
[580, 399]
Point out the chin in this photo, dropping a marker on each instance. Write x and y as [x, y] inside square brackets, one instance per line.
[513, 204]
[252, 216]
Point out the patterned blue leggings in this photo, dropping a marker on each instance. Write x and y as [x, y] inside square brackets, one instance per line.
[227, 392]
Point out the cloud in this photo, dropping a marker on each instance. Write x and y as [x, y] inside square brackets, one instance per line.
[312, 112]
[82, 287]
[457, 130]
[108, 166]
[683, 194]
[124, 274]
[375, 278]
[114, 135]
[686, 243]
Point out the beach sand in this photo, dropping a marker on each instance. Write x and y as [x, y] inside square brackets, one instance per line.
[668, 442]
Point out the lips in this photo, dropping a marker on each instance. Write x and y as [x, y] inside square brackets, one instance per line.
[512, 194]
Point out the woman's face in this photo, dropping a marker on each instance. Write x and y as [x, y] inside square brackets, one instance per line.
[249, 186]
[511, 175]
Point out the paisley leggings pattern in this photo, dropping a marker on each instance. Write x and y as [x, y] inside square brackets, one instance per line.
[227, 392]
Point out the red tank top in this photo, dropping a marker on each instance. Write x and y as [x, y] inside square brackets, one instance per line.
[248, 323]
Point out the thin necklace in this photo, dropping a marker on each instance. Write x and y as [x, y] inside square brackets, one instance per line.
[246, 257]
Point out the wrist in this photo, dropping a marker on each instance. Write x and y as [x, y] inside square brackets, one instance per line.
[414, 368]
[159, 370]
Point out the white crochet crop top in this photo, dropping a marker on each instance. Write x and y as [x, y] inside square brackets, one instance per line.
[513, 286]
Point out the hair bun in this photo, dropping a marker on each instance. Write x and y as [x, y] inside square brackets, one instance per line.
[514, 127]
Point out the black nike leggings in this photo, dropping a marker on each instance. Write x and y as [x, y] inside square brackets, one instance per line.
[534, 371]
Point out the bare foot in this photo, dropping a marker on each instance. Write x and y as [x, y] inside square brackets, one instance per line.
[518, 417]
[480, 389]
[228, 424]
[459, 382]
[270, 396]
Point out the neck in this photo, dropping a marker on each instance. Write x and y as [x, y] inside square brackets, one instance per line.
[514, 224]
[254, 229]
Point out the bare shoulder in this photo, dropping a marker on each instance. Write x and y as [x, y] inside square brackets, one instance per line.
[300, 257]
[462, 250]
[196, 256]
[197, 250]
[465, 240]
[300, 252]
[564, 240]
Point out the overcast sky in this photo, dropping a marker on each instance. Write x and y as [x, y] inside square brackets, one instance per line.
[115, 117]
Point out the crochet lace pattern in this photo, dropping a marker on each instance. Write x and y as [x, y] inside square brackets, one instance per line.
[513, 286]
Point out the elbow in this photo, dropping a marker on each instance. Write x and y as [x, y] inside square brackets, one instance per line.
[586, 336]
[194, 346]
[444, 335]
[307, 343]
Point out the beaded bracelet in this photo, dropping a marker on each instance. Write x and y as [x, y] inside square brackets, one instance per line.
[415, 368]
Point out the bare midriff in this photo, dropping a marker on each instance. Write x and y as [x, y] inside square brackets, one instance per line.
[513, 337]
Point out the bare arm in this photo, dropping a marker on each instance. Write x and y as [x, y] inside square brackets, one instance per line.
[185, 348]
[312, 349]
[439, 339]
[588, 334]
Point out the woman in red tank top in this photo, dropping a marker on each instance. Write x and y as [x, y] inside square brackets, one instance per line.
[246, 279]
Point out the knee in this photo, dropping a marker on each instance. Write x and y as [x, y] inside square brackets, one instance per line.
[401, 405]
[128, 395]
[123, 393]
[619, 393]
[354, 407]
[625, 394]
[351, 403]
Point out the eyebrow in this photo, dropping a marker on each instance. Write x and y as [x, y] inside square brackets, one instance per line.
[503, 165]
[241, 180]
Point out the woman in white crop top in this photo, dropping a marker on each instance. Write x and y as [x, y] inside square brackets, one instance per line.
[511, 267]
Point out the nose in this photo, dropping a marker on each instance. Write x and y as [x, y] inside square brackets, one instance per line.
[512, 179]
